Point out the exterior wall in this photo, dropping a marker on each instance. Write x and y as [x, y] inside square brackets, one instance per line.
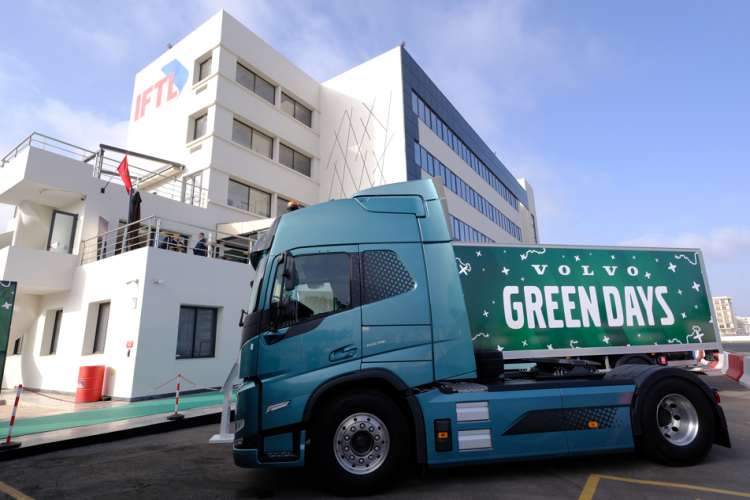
[152, 324]
[362, 133]
[457, 206]
[725, 315]
[526, 212]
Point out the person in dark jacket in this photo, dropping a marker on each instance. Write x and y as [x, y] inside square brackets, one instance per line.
[200, 248]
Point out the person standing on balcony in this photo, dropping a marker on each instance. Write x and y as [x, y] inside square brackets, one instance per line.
[200, 248]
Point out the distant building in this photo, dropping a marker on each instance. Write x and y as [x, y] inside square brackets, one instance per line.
[743, 325]
[725, 315]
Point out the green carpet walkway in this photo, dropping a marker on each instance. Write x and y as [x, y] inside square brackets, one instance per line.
[61, 421]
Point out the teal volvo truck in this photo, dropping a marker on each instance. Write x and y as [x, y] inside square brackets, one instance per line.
[361, 349]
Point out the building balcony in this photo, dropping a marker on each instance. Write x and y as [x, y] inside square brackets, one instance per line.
[37, 272]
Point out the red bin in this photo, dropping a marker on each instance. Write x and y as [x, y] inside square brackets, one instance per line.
[90, 380]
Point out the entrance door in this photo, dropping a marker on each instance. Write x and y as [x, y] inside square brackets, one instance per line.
[318, 338]
[62, 232]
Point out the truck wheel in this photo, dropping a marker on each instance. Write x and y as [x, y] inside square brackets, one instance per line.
[360, 441]
[677, 423]
[634, 359]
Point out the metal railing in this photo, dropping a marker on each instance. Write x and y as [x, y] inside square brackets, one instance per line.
[154, 182]
[167, 235]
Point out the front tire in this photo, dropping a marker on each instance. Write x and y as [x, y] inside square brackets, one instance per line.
[677, 423]
[360, 442]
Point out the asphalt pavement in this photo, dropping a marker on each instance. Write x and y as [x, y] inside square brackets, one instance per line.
[181, 464]
[737, 347]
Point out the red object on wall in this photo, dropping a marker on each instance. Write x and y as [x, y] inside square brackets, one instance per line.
[89, 387]
[129, 344]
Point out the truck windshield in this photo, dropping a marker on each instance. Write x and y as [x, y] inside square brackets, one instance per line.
[258, 284]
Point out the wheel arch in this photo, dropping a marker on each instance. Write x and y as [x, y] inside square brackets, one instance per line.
[645, 376]
[379, 380]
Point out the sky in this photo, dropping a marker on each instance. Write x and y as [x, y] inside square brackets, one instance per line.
[628, 118]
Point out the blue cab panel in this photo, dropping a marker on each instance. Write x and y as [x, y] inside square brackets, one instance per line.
[248, 359]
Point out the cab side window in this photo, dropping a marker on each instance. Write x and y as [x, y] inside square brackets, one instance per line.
[322, 286]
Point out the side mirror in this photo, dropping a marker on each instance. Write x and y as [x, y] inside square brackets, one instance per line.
[242, 317]
[289, 273]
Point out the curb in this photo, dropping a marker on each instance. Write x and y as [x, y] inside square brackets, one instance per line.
[735, 367]
[167, 426]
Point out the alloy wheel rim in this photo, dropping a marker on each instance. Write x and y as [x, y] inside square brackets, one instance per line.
[677, 419]
[361, 443]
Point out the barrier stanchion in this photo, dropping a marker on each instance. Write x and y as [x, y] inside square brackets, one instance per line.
[176, 415]
[8, 444]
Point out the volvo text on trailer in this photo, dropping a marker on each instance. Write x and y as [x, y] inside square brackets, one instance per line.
[369, 341]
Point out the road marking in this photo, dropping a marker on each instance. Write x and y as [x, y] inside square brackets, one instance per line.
[590, 487]
[13, 493]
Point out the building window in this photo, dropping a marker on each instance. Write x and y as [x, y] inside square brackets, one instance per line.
[294, 160]
[200, 126]
[18, 345]
[254, 83]
[102, 319]
[196, 334]
[205, 69]
[464, 232]
[252, 139]
[295, 109]
[55, 332]
[193, 190]
[250, 199]
[533, 228]
[432, 166]
[446, 134]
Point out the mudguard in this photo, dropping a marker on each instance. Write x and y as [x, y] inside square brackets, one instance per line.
[645, 376]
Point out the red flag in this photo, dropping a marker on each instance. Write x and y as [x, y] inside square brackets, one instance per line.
[124, 174]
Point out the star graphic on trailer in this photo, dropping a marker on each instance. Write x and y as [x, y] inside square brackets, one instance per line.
[479, 254]
[657, 260]
[505, 271]
[684, 315]
[613, 257]
[633, 257]
[493, 301]
[525, 343]
[523, 279]
[549, 346]
[679, 291]
[606, 339]
[696, 306]
[672, 267]
[696, 286]
[648, 275]
[577, 258]
[7, 306]
[486, 314]
[639, 334]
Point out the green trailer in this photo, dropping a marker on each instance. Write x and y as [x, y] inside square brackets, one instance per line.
[611, 304]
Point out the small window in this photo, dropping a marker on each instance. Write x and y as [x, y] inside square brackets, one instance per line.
[200, 126]
[533, 228]
[281, 205]
[384, 276]
[205, 69]
[295, 109]
[193, 189]
[196, 333]
[100, 337]
[252, 139]
[322, 285]
[256, 84]
[18, 345]
[250, 199]
[55, 332]
[294, 160]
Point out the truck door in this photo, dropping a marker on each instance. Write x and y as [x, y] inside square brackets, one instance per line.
[396, 331]
[318, 338]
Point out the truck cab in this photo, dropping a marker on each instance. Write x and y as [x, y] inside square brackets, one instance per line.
[357, 348]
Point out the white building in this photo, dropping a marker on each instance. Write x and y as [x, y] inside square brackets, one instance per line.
[242, 131]
[725, 315]
[743, 325]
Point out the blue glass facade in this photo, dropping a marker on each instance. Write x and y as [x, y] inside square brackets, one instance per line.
[415, 80]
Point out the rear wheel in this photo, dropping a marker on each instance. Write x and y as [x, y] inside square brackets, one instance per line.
[360, 441]
[677, 423]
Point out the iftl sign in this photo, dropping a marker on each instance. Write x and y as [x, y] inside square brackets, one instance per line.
[176, 76]
[522, 299]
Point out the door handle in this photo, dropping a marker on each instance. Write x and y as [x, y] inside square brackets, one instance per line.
[270, 338]
[343, 353]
